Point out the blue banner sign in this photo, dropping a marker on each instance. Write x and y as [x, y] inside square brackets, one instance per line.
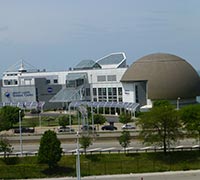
[22, 94]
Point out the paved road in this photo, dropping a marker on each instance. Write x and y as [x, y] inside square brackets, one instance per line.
[71, 145]
[179, 175]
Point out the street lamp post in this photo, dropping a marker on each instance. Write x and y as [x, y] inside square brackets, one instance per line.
[91, 94]
[78, 170]
[178, 103]
[20, 133]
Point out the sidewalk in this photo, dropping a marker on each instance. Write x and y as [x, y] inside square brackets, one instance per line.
[172, 175]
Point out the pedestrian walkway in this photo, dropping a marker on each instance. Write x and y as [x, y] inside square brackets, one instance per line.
[175, 175]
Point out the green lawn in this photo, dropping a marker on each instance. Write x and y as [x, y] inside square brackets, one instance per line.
[98, 164]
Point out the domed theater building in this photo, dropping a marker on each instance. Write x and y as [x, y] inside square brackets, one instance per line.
[161, 76]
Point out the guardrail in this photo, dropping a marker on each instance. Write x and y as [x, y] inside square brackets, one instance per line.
[109, 150]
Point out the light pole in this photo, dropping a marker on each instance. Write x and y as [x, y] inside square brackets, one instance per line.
[177, 103]
[91, 94]
[20, 133]
[78, 170]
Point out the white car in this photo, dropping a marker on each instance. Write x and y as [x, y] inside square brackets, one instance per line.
[128, 126]
[65, 129]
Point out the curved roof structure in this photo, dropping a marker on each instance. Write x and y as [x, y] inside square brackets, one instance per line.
[87, 64]
[168, 76]
[114, 60]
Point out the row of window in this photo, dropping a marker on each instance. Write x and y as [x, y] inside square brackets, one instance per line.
[55, 81]
[107, 94]
[10, 82]
[106, 78]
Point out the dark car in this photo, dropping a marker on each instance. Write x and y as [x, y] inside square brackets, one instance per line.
[88, 128]
[65, 129]
[109, 127]
[24, 130]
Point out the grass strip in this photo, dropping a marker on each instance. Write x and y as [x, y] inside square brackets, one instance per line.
[100, 164]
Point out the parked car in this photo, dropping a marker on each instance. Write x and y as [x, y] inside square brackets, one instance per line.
[109, 127]
[128, 126]
[88, 127]
[24, 130]
[65, 129]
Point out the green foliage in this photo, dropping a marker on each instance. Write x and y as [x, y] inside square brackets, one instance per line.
[49, 119]
[9, 116]
[190, 115]
[50, 151]
[125, 139]
[99, 119]
[5, 146]
[100, 164]
[124, 118]
[161, 103]
[85, 141]
[161, 125]
[64, 120]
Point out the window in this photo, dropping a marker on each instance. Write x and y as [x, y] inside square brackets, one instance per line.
[101, 78]
[94, 91]
[87, 91]
[114, 91]
[71, 84]
[48, 81]
[111, 78]
[109, 91]
[99, 91]
[120, 99]
[120, 94]
[95, 99]
[104, 91]
[55, 81]
[102, 94]
[79, 82]
[27, 81]
[6, 82]
[136, 94]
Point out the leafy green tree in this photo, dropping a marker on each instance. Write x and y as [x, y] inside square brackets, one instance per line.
[64, 120]
[49, 119]
[50, 150]
[5, 146]
[85, 141]
[124, 118]
[9, 116]
[161, 125]
[125, 139]
[190, 115]
[99, 119]
[32, 122]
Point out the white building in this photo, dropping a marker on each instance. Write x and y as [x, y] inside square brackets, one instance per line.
[89, 81]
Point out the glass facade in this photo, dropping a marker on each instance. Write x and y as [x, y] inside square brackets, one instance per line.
[110, 94]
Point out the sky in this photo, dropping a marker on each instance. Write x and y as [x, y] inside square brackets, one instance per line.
[57, 34]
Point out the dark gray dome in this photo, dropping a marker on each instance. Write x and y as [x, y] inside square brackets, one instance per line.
[168, 76]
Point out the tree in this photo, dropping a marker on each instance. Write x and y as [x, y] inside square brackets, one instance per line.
[124, 118]
[161, 125]
[50, 151]
[99, 119]
[63, 120]
[5, 146]
[49, 119]
[125, 139]
[9, 116]
[85, 141]
[190, 115]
